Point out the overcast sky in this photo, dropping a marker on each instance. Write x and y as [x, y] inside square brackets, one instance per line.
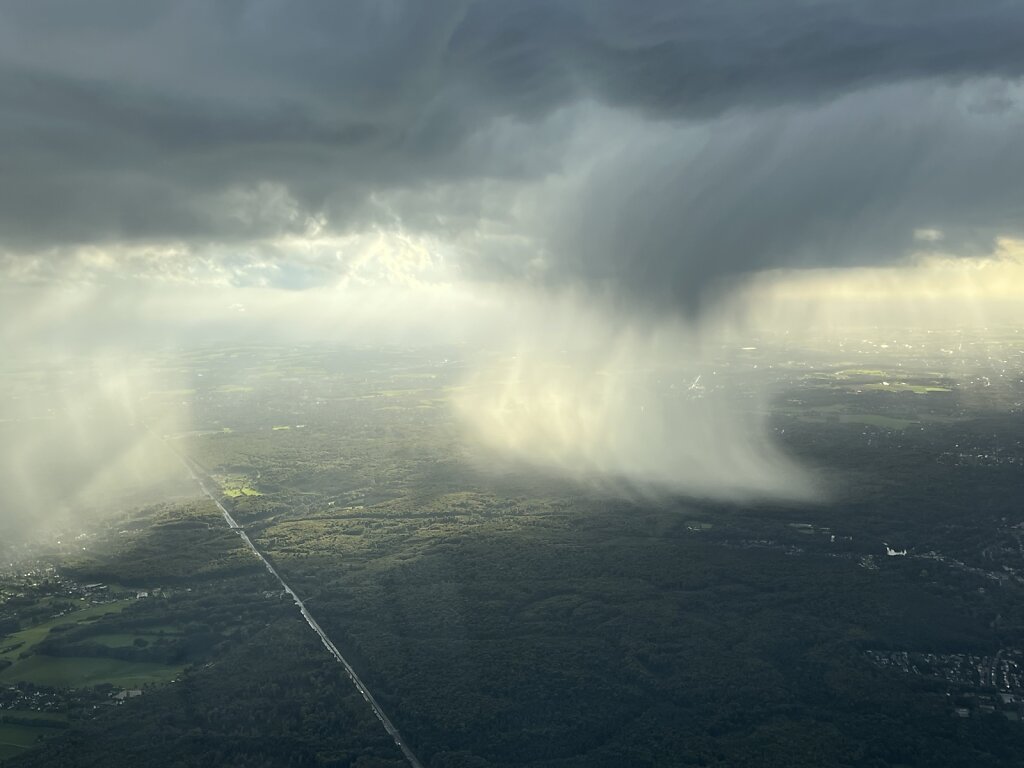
[643, 149]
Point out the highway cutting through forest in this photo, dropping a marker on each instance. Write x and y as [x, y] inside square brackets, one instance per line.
[197, 473]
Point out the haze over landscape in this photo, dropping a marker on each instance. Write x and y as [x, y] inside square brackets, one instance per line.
[629, 268]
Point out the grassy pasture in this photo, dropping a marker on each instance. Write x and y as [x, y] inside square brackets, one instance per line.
[27, 638]
[15, 739]
[245, 490]
[78, 672]
[81, 672]
[237, 486]
[903, 386]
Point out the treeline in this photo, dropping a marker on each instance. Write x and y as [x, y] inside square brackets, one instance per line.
[33, 722]
[206, 620]
[170, 546]
[275, 701]
[162, 651]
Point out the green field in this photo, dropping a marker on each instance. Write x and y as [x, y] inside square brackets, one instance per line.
[27, 638]
[77, 672]
[902, 386]
[234, 493]
[235, 486]
[14, 739]
[80, 672]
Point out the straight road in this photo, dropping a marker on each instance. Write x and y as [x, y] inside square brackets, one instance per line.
[331, 647]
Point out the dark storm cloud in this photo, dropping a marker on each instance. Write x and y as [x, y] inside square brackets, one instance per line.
[841, 185]
[236, 121]
[700, 58]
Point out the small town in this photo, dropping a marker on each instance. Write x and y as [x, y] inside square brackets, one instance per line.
[978, 684]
